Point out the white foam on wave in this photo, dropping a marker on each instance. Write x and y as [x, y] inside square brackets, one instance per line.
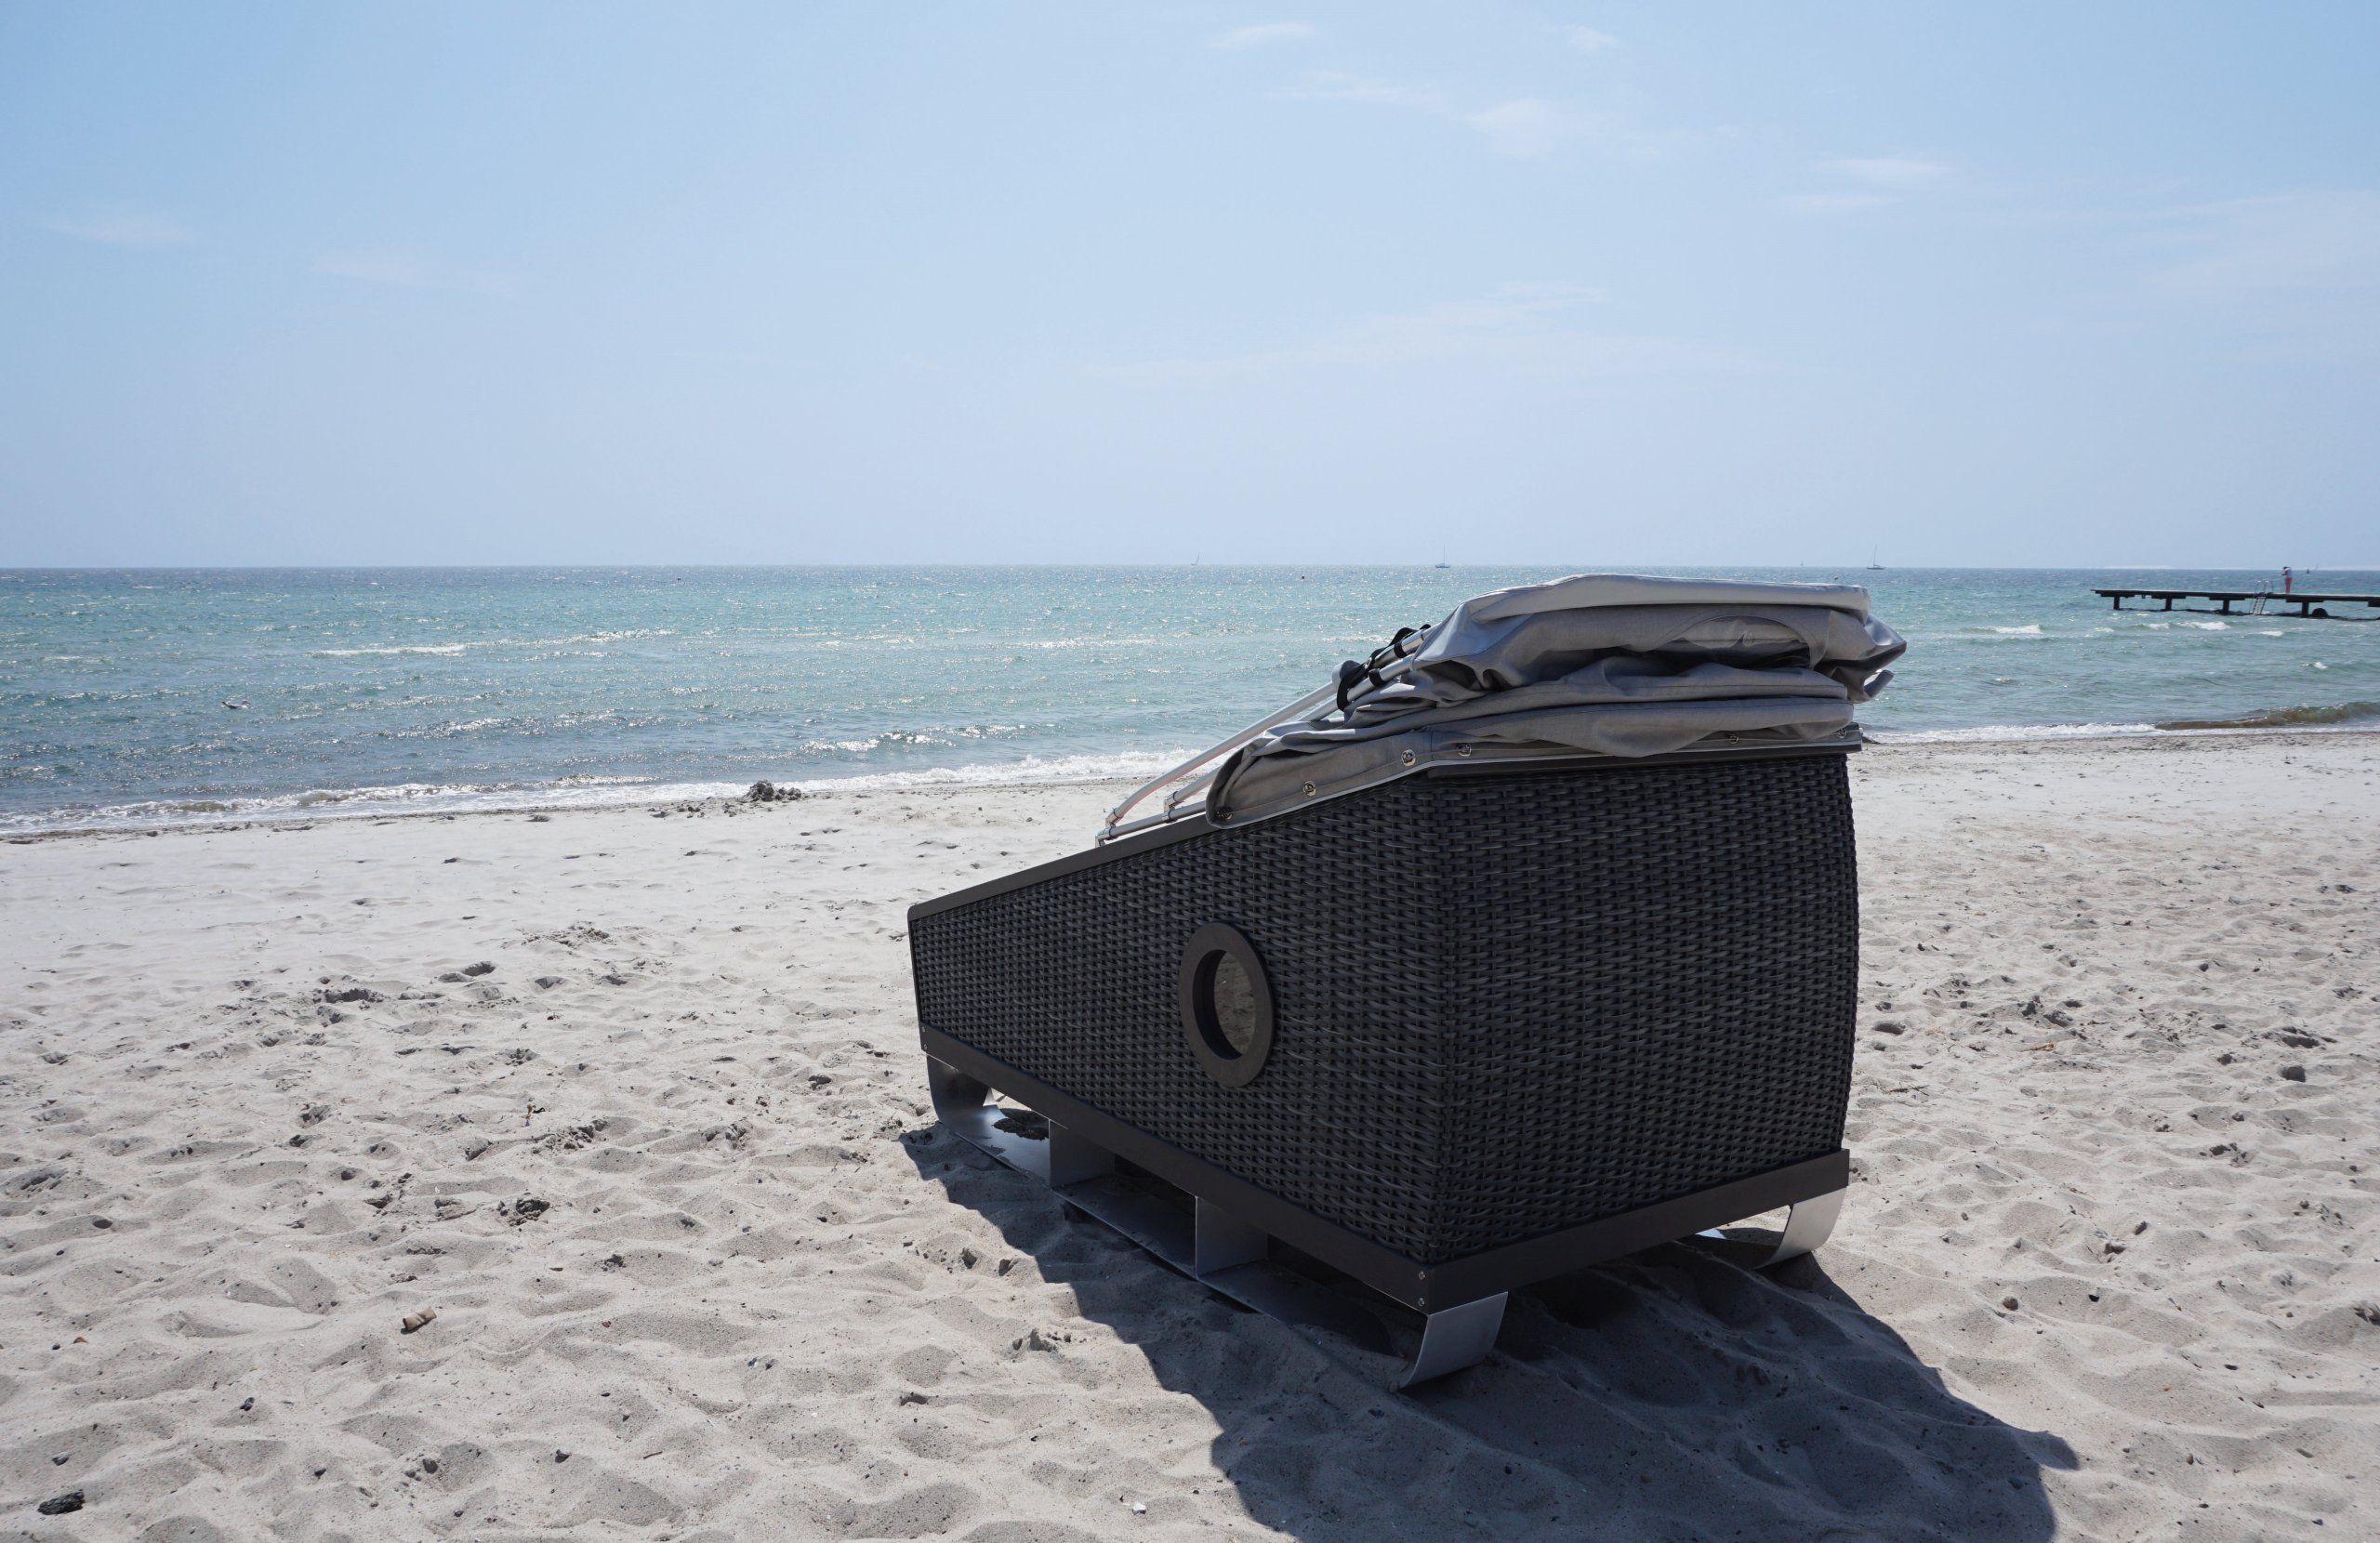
[447, 650]
[940, 736]
[2210, 626]
[367, 802]
[2013, 733]
[451, 649]
[1993, 733]
[1030, 769]
[578, 791]
[2030, 629]
[1085, 642]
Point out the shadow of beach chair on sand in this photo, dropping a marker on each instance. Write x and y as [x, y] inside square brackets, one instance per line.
[1670, 1395]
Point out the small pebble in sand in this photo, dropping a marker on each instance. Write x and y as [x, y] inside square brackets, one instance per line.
[2293, 1074]
[2008, 1302]
[59, 1505]
[413, 1321]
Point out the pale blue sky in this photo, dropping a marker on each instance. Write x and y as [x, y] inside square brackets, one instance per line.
[1593, 286]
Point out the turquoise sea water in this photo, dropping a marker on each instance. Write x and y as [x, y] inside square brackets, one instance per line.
[376, 689]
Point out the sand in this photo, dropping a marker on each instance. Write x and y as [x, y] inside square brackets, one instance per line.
[632, 1101]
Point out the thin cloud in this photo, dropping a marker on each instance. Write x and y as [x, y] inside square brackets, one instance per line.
[1332, 86]
[1894, 173]
[1525, 128]
[1523, 328]
[1877, 181]
[409, 270]
[122, 227]
[1265, 34]
[1833, 202]
[1586, 40]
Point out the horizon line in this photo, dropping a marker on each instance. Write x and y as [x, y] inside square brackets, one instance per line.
[1284, 566]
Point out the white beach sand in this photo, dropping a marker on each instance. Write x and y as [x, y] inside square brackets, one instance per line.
[2117, 1069]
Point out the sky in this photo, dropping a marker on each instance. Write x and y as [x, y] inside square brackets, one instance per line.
[1592, 285]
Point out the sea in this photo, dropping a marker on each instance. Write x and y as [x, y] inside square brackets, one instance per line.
[149, 697]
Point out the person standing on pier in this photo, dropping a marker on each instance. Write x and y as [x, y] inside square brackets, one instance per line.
[2288, 578]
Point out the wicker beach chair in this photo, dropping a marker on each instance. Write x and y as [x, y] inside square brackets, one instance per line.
[1529, 942]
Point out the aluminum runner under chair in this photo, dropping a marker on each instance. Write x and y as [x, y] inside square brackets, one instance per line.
[1529, 942]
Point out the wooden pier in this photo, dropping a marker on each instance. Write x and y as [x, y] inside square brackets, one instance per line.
[2270, 602]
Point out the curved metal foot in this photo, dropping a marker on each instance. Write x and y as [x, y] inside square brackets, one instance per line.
[1808, 1225]
[1455, 1337]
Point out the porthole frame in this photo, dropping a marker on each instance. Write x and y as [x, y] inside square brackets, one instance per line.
[1207, 948]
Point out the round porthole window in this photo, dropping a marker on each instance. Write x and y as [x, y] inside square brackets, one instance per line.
[1226, 1005]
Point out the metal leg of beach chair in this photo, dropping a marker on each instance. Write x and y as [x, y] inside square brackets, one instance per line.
[1807, 1222]
[1806, 1226]
[1455, 1337]
[1070, 1158]
[1211, 1245]
[1059, 1158]
[958, 1098]
[1221, 1241]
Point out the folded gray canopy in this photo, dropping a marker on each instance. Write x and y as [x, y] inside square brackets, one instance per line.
[1598, 664]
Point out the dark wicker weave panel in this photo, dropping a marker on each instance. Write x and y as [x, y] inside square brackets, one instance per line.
[1660, 1000]
[1506, 1004]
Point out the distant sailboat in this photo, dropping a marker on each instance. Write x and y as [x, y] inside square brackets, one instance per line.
[1442, 559]
[1873, 566]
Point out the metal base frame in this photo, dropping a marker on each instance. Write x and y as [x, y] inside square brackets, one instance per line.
[1234, 1256]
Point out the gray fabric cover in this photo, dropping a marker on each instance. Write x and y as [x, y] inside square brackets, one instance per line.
[1598, 664]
